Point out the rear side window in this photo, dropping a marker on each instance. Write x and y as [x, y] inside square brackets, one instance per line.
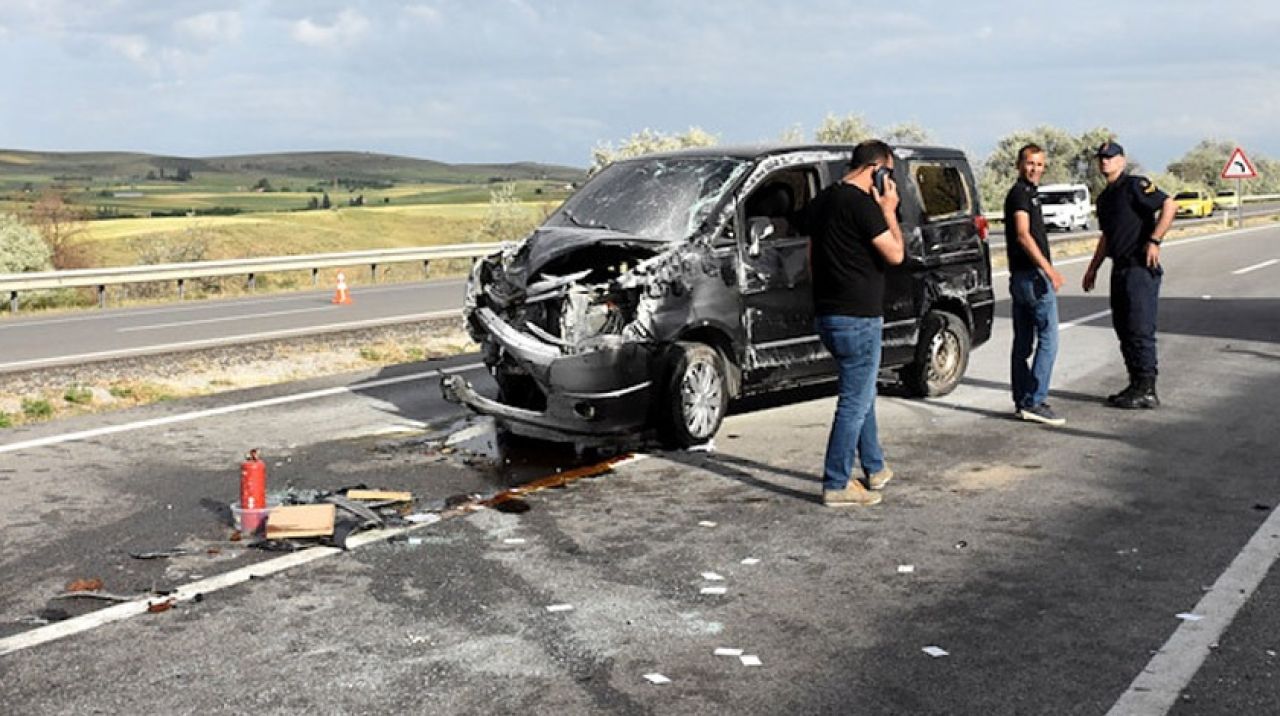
[942, 190]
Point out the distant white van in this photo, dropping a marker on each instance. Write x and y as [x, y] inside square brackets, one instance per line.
[1065, 206]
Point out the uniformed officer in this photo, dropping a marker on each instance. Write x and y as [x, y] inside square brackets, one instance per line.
[1131, 236]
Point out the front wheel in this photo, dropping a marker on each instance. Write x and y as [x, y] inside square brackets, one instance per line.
[942, 355]
[696, 395]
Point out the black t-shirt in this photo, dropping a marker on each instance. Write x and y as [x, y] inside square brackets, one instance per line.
[1024, 196]
[1127, 211]
[848, 271]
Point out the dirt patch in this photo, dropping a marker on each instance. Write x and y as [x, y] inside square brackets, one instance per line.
[979, 478]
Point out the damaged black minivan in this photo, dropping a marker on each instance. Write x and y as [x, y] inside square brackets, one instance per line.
[671, 283]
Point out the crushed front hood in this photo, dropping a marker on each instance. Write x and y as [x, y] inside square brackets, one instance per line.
[547, 244]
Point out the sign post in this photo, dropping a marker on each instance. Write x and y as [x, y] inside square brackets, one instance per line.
[1239, 167]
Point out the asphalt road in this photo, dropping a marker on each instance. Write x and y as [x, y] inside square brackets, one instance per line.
[1050, 564]
[36, 341]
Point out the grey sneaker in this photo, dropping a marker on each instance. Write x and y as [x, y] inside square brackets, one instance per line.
[853, 495]
[877, 480]
[1041, 413]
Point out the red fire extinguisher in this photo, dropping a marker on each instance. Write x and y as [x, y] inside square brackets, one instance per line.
[253, 492]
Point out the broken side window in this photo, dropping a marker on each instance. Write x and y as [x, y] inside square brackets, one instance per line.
[942, 189]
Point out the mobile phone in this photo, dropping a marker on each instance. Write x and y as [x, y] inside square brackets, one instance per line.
[878, 177]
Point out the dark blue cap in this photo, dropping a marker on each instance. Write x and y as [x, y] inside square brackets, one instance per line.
[1110, 149]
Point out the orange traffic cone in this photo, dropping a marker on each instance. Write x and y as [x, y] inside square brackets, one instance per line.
[342, 296]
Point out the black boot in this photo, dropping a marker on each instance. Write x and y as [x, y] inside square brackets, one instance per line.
[1143, 396]
[1126, 394]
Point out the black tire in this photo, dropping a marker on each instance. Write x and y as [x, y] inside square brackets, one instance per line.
[695, 395]
[942, 356]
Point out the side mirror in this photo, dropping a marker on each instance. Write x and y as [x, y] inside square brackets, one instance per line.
[758, 229]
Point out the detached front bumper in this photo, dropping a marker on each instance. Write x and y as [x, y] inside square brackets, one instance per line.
[595, 397]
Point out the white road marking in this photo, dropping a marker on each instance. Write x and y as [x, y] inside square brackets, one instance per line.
[224, 319]
[308, 296]
[1083, 319]
[226, 409]
[126, 610]
[1158, 687]
[225, 340]
[1255, 267]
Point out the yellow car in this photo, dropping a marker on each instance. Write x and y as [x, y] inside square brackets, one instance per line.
[1226, 199]
[1194, 203]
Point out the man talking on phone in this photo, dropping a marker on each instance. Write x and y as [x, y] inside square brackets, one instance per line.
[855, 235]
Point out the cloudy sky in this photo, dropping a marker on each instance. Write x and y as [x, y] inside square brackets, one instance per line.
[509, 80]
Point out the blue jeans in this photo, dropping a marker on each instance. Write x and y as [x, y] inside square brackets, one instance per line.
[1035, 325]
[855, 344]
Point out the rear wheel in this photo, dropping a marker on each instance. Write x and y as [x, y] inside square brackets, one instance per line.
[696, 395]
[942, 355]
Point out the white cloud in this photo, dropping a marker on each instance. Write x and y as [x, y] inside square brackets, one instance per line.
[211, 27]
[133, 47]
[423, 13]
[348, 27]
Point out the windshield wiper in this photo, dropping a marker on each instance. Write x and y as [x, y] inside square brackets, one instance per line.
[583, 224]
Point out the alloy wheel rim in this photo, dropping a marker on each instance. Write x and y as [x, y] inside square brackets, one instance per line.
[700, 393]
[945, 349]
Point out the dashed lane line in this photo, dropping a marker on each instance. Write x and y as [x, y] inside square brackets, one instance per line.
[1255, 267]
[224, 319]
[227, 409]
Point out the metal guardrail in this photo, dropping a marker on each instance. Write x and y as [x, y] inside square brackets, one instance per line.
[14, 283]
[998, 216]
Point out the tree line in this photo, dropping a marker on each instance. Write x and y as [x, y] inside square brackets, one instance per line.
[1070, 155]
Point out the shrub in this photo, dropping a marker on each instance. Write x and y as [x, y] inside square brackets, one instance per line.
[78, 395]
[21, 248]
[121, 391]
[36, 408]
[6, 421]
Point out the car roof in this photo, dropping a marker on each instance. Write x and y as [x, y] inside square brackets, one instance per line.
[757, 151]
[1062, 187]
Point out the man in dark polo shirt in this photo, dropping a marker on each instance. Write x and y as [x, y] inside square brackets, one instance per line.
[1131, 236]
[855, 234]
[1033, 289]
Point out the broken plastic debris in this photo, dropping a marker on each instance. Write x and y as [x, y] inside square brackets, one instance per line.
[906, 568]
[750, 660]
[559, 607]
[935, 651]
[422, 518]
[726, 651]
[657, 679]
[1189, 617]
[160, 553]
[714, 590]
[161, 606]
[514, 540]
[750, 561]
[708, 446]
[712, 577]
[415, 541]
[706, 523]
[961, 544]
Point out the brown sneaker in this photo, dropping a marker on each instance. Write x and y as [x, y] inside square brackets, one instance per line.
[854, 494]
[877, 480]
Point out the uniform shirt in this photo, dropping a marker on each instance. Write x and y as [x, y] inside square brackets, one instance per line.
[1127, 214]
[1024, 196]
[848, 271]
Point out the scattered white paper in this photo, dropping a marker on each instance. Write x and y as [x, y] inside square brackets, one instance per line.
[422, 518]
[750, 660]
[726, 651]
[714, 590]
[414, 540]
[657, 679]
[751, 560]
[935, 651]
[559, 607]
[1189, 617]
[712, 577]
[906, 568]
[706, 523]
[513, 540]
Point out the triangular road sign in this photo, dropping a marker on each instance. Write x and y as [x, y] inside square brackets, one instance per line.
[1238, 166]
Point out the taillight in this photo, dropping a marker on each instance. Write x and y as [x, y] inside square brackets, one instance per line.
[982, 225]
